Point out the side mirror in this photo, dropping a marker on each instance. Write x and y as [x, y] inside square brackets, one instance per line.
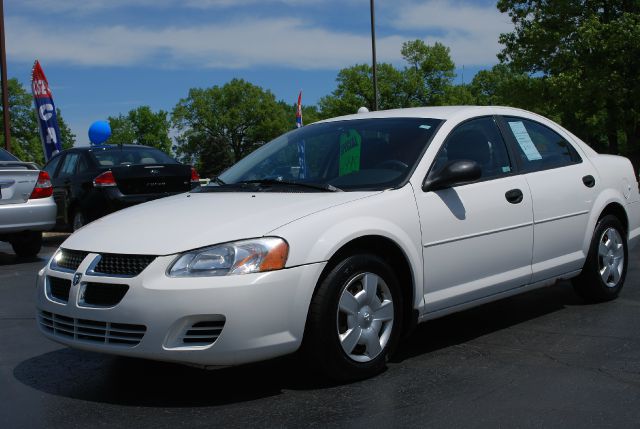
[454, 173]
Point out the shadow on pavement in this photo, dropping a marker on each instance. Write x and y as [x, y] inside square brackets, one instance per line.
[126, 381]
[462, 327]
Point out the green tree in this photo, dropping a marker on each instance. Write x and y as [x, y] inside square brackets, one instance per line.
[425, 81]
[355, 90]
[589, 51]
[25, 136]
[142, 126]
[430, 72]
[230, 120]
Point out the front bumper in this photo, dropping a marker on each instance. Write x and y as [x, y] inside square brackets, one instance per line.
[33, 215]
[264, 314]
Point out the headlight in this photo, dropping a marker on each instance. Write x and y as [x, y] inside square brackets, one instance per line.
[240, 257]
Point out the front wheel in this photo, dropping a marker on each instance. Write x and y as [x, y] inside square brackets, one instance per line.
[354, 319]
[605, 269]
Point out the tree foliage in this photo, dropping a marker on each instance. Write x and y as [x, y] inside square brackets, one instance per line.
[25, 136]
[236, 118]
[588, 55]
[426, 80]
[142, 126]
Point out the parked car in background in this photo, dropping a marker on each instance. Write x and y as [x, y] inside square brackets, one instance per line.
[339, 236]
[91, 182]
[26, 205]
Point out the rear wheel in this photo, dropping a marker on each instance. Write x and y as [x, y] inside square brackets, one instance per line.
[354, 318]
[605, 270]
[79, 220]
[27, 244]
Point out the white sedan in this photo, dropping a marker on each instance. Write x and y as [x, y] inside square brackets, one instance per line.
[338, 237]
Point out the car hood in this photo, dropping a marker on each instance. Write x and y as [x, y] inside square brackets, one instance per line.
[189, 221]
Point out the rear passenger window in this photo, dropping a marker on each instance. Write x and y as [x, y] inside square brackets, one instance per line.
[51, 166]
[539, 147]
[69, 165]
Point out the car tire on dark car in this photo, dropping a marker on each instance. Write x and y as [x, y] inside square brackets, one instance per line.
[27, 244]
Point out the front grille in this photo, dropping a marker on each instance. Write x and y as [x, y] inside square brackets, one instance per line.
[122, 265]
[59, 288]
[203, 333]
[103, 294]
[122, 334]
[70, 259]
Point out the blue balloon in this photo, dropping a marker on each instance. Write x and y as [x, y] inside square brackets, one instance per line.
[99, 132]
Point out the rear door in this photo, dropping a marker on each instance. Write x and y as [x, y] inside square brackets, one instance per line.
[62, 183]
[563, 187]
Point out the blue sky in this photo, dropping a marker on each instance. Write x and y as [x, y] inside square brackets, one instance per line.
[105, 57]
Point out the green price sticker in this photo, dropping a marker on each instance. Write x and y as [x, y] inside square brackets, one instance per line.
[350, 145]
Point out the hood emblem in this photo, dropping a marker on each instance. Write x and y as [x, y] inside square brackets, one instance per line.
[154, 171]
[76, 278]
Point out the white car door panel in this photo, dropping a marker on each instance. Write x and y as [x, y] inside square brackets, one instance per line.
[476, 243]
[478, 237]
[563, 188]
[561, 207]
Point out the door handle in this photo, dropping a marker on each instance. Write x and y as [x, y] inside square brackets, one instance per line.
[514, 196]
[589, 181]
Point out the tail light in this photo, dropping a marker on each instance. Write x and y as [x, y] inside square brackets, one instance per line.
[43, 188]
[104, 180]
[195, 177]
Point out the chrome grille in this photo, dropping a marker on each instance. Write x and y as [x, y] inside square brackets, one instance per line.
[122, 334]
[59, 288]
[103, 294]
[122, 265]
[70, 259]
[203, 333]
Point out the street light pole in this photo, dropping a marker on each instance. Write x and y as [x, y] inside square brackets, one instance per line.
[373, 52]
[5, 89]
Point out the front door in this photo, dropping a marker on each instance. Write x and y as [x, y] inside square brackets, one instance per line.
[477, 238]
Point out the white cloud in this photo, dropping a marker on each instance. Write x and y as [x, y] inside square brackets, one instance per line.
[93, 6]
[470, 30]
[250, 43]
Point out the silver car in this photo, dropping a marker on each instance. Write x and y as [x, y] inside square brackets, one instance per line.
[26, 204]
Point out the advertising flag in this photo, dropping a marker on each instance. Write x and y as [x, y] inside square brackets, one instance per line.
[46, 112]
[299, 111]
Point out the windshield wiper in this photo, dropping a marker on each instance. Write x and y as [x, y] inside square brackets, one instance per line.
[218, 180]
[321, 186]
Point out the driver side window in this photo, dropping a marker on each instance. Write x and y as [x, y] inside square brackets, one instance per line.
[476, 140]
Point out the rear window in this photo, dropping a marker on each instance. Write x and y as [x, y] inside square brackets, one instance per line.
[111, 156]
[6, 156]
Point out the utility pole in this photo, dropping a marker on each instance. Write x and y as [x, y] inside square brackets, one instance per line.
[373, 52]
[5, 89]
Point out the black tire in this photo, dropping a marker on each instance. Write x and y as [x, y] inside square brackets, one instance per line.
[27, 244]
[79, 220]
[322, 343]
[590, 284]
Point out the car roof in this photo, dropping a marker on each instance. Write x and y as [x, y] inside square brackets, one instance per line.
[108, 147]
[434, 112]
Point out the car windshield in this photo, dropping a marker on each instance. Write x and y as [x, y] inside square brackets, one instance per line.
[363, 154]
[113, 155]
[6, 156]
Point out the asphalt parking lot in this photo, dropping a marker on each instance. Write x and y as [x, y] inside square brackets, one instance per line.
[542, 359]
